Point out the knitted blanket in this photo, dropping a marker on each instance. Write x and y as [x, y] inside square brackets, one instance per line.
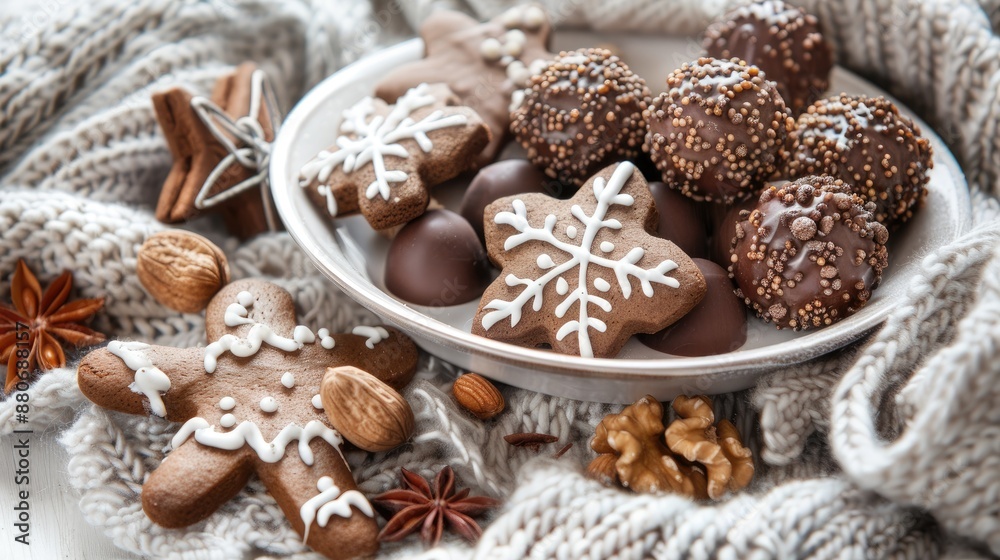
[890, 449]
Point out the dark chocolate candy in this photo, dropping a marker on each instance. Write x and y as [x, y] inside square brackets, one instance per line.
[716, 133]
[500, 179]
[868, 144]
[583, 113]
[436, 260]
[681, 220]
[809, 254]
[718, 324]
[722, 221]
[783, 41]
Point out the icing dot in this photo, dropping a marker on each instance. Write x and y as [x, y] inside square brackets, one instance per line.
[227, 403]
[227, 421]
[511, 18]
[601, 284]
[562, 286]
[490, 48]
[328, 342]
[323, 333]
[515, 36]
[303, 335]
[545, 261]
[317, 402]
[607, 246]
[324, 483]
[571, 232]
[532, 18]
[268, 404]
[287, 379]
[245, 298]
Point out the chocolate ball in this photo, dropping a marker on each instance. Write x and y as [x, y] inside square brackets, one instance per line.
[500, 179]
[868, 144]
[436, 260]
[718, 324]
[681, 220]
[716, 132]
[809, 254]
[783, 41]
[723, 221]
[582, 113]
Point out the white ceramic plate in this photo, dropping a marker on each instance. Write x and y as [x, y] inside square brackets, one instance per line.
[353, 256]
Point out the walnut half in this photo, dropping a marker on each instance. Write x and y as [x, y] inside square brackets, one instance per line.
[691, 457]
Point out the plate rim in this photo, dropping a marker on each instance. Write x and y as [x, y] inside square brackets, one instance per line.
[411, 320]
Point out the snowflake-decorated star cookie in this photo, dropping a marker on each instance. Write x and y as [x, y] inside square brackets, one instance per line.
[387, 156]
[249, 402]
[583, 275]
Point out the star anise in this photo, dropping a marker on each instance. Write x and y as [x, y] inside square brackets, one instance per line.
[42, 318]
[421, 506]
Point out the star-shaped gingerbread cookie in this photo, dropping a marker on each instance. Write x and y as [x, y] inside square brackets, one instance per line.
[388, 156]
[198, 153]
[249, 402]
[583, 275]
[483, 63]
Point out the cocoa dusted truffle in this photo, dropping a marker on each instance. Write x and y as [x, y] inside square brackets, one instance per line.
[809, 254]
[716, 132]
[783, 41]
[436, 260]
[868, 144]
[717, 325]
[582, 113]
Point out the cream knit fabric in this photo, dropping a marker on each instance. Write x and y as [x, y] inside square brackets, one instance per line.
[890, 449]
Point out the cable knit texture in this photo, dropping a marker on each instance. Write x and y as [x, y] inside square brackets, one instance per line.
[890, 449]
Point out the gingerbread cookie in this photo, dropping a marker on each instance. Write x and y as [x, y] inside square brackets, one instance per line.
[389, 155]
[589, 266]
[217, 145]
[484, 64]
[249, 402]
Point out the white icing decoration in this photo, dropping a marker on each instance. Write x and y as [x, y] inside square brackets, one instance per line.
[247, 433]
[368, 138]
[331, 201]
[326, 341]
[303, 335]
[602, 284]
[329, 502]
[607, 246]
[245, 298]
[288, 379]
[512, 17]
[533, 18]
[244, 348]
[149, 380]
[317, 402]
[491, 49]
[607, 193]
[227, 420]
[516, 99]
[268, 404]
[374, 334]
[571, 232]
[544, 261]
[227, 403]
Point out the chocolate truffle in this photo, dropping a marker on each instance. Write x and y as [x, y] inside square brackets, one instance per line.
[582, 113]
[500, 179]
[783, 41]
[715, 326]
[723, 220]
[868, 144]
[809, 254]
[436, 260]
[716, 132]
[680, 220]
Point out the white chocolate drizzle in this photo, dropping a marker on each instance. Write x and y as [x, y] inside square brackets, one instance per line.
[329, 502]
[149, 380]
[247, 433]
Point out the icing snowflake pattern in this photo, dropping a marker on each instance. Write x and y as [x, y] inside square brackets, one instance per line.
[369, 139]
[581, 256]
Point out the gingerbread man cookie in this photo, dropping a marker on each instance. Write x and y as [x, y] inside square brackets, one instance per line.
[249, 402]
[484, 64]
[389, 155]
[590, 268]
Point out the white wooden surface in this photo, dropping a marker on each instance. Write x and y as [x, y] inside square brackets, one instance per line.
[58, 529]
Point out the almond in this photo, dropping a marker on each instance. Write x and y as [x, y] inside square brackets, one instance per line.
[477, 395]
[181, 270]
[366, 411]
